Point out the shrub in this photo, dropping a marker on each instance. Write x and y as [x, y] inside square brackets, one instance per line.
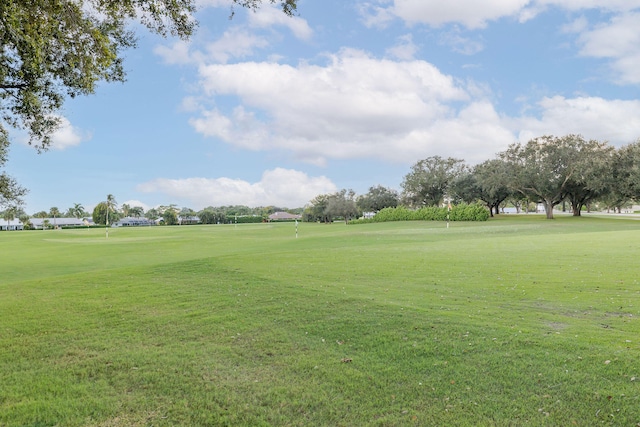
[461, 212]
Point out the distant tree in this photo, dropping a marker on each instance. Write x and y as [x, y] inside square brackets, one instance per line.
[136, 211]
[26, 221]
[488, 182]
[543, 167]
[170, 217]
[55, 213]
[77, 211]
[342, 204]
[377, 198]
[101, 214]
[211, 215]
[593, 176]
[9, 215]
[152, 214]
[42, 215]
[429, 180]
[627, 171]
[125, 209]
[111, 205]
[317, 209]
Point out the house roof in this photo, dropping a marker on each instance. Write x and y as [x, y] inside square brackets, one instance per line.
[37, 222]
[283, 216]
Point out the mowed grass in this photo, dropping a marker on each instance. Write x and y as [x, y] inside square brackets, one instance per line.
[517, 321]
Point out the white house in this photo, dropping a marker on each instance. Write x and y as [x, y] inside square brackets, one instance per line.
[130, 221]
[60, 222]
[10, 225]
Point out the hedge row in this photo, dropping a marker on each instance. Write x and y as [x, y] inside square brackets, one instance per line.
[460, 212]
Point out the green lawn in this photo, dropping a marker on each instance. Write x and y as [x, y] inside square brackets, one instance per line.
[515, 321]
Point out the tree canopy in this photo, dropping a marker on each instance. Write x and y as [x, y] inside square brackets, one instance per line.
[377, 198]
[429, 180]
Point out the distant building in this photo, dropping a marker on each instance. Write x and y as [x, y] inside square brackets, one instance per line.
[10, 225]
[60, 222]
[130, 221]
[284, 216]
[188, 220]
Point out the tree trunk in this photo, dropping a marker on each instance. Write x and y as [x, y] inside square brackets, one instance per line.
[576, 208]
[490, 206]
[497, 209]
[548, 208]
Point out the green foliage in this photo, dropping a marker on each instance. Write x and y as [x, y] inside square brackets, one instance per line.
[11, 193]
[211, 217]
[430, 180]
[99, 214]
[169, 217]
[465, 212]
[377, 198]
[245, 219]
[460, 212]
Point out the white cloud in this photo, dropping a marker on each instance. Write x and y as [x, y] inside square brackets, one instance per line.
[280, 187]
[461, 44]
[475, 14]
[405, 49]
[470, 13]
[177, 53]
[608, 5]
[354, 106]
[374, 15]
[576, 26]
[68, 135]
[268, 17]
[234, 43]
[616, 121]
[618, 40]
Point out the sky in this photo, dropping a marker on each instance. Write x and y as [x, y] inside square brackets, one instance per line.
[267, 110]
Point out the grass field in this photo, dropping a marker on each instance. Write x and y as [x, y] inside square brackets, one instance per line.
[516, 321]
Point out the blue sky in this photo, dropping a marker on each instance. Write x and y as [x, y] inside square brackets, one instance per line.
[267, 110]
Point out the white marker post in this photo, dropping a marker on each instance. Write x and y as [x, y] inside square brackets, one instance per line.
[296, 228]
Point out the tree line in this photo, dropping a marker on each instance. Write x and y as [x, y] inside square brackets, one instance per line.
[109, 212]
[547, 170]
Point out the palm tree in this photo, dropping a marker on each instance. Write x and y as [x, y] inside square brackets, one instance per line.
[136, 211]
[9, 215]
[126, 209]
[111, 205]
[77, 210]
[54, 212]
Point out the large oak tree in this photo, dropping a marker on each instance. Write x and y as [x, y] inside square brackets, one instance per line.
[429, 180]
